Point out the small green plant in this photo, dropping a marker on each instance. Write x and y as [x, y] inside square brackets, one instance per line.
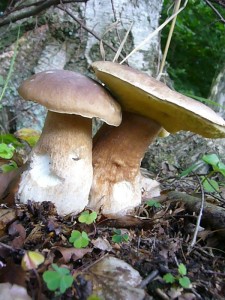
[58, 280]
[8, 146]
[181, 278]
[87, 218]
[153, 203]
[209, 184]
[79, 239]
[119, 237]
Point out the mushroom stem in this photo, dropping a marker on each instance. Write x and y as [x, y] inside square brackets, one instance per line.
[60, 164]
[117, 154]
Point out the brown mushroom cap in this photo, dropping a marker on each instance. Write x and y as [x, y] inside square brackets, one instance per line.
[71, 93]
[139, 93]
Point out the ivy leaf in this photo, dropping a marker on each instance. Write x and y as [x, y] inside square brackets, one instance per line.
[185, 282]
[182, 269]
[169, 278]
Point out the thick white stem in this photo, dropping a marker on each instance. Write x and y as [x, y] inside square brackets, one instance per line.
[60, 167]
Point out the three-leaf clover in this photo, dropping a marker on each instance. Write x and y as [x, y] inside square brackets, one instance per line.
[87, 218]
[60, 279]
[119, 237]
[79, 239]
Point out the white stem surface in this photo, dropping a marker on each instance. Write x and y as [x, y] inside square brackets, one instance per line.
[60, 167]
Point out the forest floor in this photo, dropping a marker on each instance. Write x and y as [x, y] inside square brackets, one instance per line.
[156, 240]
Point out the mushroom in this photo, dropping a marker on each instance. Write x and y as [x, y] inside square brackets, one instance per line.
[149, 106]
[60, 165]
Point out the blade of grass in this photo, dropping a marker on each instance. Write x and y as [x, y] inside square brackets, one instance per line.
[10, 68]
[155, 32]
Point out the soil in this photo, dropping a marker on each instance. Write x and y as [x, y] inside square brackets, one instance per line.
[160, 238]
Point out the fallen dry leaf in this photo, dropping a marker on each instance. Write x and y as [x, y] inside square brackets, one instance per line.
[17, 231]
[71, 253]
[102, 244]
[7, 216]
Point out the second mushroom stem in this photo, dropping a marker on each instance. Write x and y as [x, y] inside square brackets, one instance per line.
[117, 154]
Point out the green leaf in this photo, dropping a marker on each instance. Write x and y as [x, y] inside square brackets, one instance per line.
[182, 269]
[8, 167]
[185, 282]
[210, 185]
[87, 218]
[59, 279]
[153, 203]
[169, 278]
[6, 151]
[192, 168]
[118, 237]
[79, 239]
[211, 159]
[10, 139]
[65, 282]
[52, 279]
[117, 231]
[30, 135]
[221, 168]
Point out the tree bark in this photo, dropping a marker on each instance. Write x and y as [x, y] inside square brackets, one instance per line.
[56, 40]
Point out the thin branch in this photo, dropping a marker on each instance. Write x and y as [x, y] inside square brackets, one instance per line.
[115, 18]
[219, 2]
[199, 215]
[20, 13]
[155, 32]
[88, 29]
[221, 18]
[176, 8]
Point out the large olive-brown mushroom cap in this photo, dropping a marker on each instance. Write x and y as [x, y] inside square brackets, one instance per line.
[144, 95]
[60, 166]
[150, 106]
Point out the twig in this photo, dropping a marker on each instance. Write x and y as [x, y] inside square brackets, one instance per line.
[219, 2]
[176, 8]
[221, 18]
[148, 279]
[155, 32]
[88, 30]
[122, 44]
[20, 13]
[199, 215]
[115, 18]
